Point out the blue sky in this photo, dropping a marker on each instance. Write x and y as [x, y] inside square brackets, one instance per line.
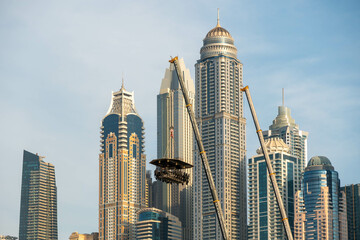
[60, 60]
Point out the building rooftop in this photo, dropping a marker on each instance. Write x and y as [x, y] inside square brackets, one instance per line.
[319, 160]
[274, 144]
[218, 31]
[319, 163]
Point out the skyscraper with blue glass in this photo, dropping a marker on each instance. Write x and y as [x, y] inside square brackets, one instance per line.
[122, 186]
[320, 206]
[353, 210]
[155, 224]
[38, 209]
[264, 215]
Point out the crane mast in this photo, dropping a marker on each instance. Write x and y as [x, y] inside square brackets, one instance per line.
[200, 145]
[274, 184]
[206, 165]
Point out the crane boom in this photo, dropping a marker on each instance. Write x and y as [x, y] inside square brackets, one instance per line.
[200, 145]
[274, 184]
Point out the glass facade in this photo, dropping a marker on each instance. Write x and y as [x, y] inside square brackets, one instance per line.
[320, 205]
[38, 209]
[313, 181]
[353, 210]
[157, 225]
[264, 215]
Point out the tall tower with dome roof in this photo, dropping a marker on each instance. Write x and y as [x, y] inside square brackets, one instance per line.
[320, 204]
[219, 113]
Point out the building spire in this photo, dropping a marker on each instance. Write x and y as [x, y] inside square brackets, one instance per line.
[218, 18]
[283, 97]
[122, 85]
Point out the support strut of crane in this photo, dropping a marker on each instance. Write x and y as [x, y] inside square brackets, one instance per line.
[274, 184]
[200, 145]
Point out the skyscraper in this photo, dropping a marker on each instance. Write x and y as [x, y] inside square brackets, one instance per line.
[38, 209]
[353, 210]
[149, 189]
[155, 224]
[219, 113]
[320, 206]
[285, 127]
[158, 196]
[122, 186]
[265, 218]
[175, 140]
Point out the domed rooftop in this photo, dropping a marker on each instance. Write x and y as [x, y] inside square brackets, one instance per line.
[218, 31]
[318, 161]
[218, 41]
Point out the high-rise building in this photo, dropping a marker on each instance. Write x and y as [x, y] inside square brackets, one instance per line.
[155, 224]
[219, 113]
[38, 209]
[84, 236]
[353, 210]
[149, 189]
[175, 140]
[320, 207]
[284, 126]
[122, 187]
[264, 214]
[158, 196]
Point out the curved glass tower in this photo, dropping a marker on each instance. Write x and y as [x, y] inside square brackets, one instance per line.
[219, 112]
[319, 205]
[122, 189]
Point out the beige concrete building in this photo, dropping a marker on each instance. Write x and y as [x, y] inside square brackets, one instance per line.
[85, 236]
[175, 140]
[219, 114]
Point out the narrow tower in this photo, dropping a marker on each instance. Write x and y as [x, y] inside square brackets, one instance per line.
[353, 210]
[284, 126]
[122, 186]
[219, 112]
[38, 209]
[175, 140]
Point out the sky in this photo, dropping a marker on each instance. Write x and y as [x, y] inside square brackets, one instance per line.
[60, 60]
